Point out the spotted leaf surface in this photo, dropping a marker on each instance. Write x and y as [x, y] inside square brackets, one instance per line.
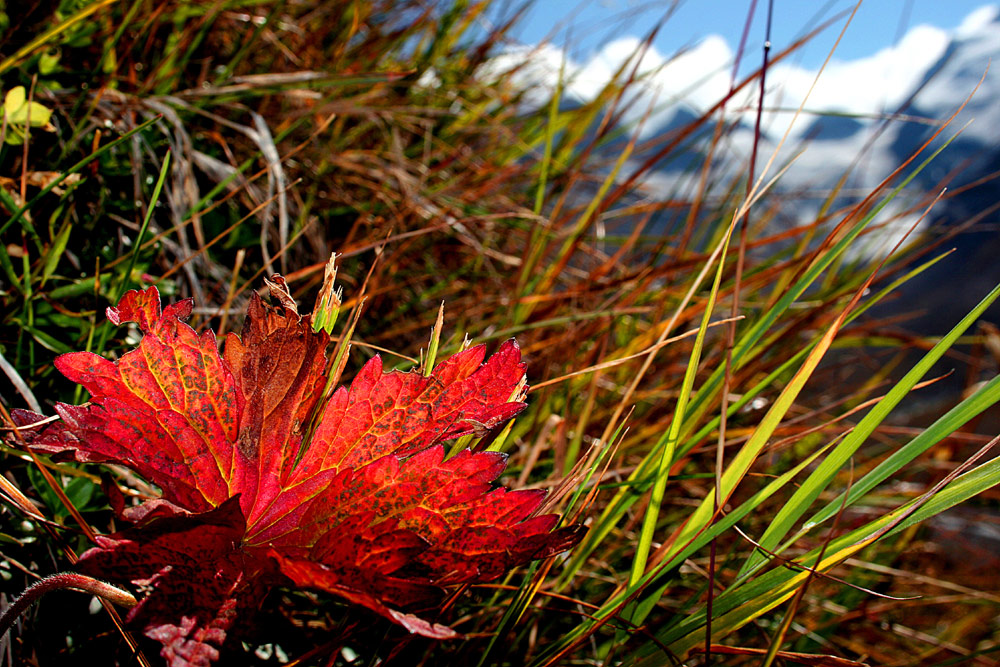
[267, 483]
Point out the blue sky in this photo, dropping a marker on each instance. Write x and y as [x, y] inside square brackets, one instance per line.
[588, 24]
[889, 49]
[920, 58]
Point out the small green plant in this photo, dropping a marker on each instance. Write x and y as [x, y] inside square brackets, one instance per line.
[19, 114]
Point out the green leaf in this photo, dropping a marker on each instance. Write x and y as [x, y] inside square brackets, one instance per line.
[48, 62]
[19, 111]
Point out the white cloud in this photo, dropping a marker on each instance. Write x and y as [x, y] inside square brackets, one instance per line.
[867, 86]
[699, 77]
[535, 69]
[696, 78]
[977, 20]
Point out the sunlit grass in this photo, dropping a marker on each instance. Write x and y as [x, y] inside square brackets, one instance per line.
[677, 355]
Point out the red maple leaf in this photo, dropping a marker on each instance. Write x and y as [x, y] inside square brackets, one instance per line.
[265, 482]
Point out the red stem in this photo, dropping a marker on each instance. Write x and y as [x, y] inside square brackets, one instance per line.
[67, 580]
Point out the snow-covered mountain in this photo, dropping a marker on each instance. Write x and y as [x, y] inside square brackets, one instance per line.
[863, 116]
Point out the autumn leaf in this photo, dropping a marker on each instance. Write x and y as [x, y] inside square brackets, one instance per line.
[269, 480]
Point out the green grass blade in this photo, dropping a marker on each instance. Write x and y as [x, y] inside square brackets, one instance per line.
[666, 456]
[738, 607]
[514, 611]
[820, 478]
[25, 51]
[639, 480]
[137, 246]
[662, 569]
[55, 182]
[737, 468]
[743, 349]
[987, 396]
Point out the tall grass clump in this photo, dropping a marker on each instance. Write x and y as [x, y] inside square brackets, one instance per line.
[710, 390]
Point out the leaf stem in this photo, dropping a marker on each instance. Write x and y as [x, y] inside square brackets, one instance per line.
[65, 580]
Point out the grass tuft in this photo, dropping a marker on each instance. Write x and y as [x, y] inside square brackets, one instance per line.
[723, 470]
